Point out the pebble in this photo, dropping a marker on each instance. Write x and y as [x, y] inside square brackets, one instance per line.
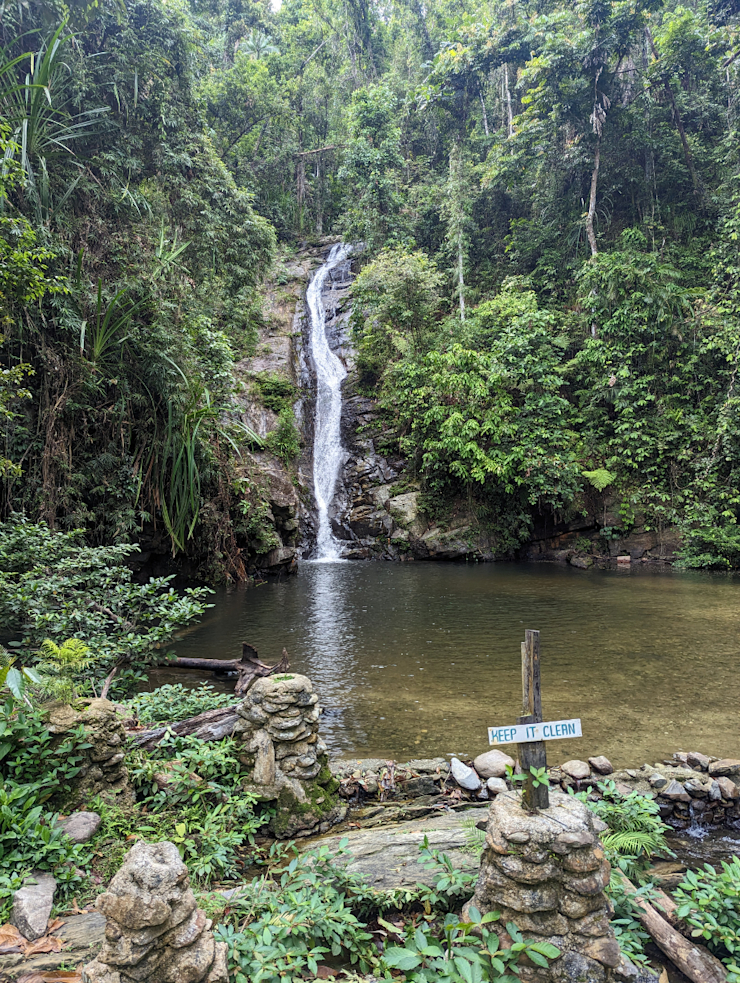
[465, 777]
[576, 769]
[492, 764]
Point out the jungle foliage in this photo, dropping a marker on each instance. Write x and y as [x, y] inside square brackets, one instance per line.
[548, 198]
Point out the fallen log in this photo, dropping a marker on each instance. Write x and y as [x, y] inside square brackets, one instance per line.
[212, 725]
[695, 961]
[249, 668]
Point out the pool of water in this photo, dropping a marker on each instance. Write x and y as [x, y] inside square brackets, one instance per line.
[417, 660]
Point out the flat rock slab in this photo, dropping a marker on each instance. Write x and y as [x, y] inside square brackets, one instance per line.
[83, 936]
[388, 855]
[344, 767]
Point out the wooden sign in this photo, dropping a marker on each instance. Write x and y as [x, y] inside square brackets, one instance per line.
[552, 730]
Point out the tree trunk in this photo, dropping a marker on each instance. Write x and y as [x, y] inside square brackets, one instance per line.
[592, 203]
[509, 113]
[694, 961]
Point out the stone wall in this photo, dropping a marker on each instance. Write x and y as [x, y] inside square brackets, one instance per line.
[102, 768]
[547, 873]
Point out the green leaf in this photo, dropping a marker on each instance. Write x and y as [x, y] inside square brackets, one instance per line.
[403, 959]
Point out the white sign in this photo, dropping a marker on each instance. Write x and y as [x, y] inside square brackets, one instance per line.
[552, 730]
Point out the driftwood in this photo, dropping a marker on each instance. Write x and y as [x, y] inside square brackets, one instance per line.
[249, 668]
[695, 961]
[209, 726]
[214, 724]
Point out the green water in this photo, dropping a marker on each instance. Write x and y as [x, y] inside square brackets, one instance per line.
[416, 660]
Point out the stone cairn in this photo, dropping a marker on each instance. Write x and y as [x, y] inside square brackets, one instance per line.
[154, 930]
[279, 728]
[546, 872]
[102, 768]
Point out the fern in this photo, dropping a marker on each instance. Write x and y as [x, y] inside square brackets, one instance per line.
[599, 478]
[475, 839]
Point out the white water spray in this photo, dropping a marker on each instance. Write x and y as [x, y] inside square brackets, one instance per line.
[330, 373]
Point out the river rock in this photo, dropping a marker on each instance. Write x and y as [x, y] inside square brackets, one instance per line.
[699, 761]
[465, 777]
[32, 905]
[675, 792]
[493, 764]
[725, 767]
[576, 769]
[728, 788]
[601, 764]
[80, 826]
[496, 785]
[657, 780]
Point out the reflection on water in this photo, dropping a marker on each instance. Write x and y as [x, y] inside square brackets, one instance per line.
[419, 659]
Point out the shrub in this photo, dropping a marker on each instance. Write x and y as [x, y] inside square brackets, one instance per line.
[173, 702]
[709, 900]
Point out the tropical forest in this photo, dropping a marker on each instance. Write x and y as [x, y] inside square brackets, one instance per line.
[351, 354]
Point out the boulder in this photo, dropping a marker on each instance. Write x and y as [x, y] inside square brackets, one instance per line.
[576, 769]
[465, 777]
[601, 765]
[32, 905]
[405, 508]
[493, 764]
[80, 826]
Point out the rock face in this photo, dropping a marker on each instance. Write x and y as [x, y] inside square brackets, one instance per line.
[32, 905]
[154, 929]
[547, 873]
[102, 767]
[279, 728]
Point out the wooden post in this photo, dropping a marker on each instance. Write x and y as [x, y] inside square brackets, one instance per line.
[532, 755]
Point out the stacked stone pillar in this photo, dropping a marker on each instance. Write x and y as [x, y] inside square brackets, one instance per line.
[546, 872]
[155, 932]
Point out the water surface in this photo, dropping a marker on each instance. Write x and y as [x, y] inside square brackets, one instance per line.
[417, 660]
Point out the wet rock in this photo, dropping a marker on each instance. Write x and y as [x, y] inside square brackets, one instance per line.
[576, 769]
[32, 905]
[493, 764]
[415, 787]
[724, 767]
[657, 780]
[697, 790]
[601, 765]
[496, 785]
[581, 562]
[80, 826]
[465, 777]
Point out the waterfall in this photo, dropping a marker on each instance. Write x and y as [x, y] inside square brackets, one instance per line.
[330, 373]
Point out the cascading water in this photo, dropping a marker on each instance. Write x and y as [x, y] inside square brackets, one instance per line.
[330, 373]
